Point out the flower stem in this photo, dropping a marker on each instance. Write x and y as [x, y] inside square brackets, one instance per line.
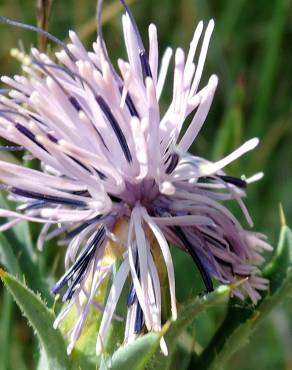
[5, 329]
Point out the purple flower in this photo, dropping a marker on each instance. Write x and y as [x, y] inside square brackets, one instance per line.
[111, 160]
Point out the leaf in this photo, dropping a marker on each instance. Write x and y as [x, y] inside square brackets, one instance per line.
[191, 310]
[41, 319]
[8, 258]
[134, 356]
[83, 355]
[21, 246]
[241, 319]
[84, 352]
[186, 315]
[269, 65]
[229, 134]
[276, 271]
[43, 361]
[6, 323]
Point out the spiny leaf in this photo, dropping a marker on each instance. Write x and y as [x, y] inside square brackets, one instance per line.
[186, 315]
[41, 319]
[191, 310]
[21, 256]
[241, 320]
[134, 356]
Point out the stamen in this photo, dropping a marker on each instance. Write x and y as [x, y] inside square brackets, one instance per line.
[234, 181]
[142, 52]
[139, 320]
[204, 273]
[80, 266]
[75, 103]
[53, 138]
[34, 205]
[130, 104]
[42, 66]
[4, 91]
[78, 229]
[145, 64]
[173, 163]
[29, 27]
[48, 198]
[212, 240]
[115, 126]
[26, 132]
[13, 112]
[240, 183]
[104, 107]
[12, 148]
[114, 198]
[210, 168]
[100, 36]
[129, 101]
[72, 99]
[132, 297]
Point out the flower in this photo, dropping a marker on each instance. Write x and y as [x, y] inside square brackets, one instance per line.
[110, 160]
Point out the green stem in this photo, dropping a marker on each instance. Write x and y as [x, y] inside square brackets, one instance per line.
[269, 68]
[6, 321]
[209, 357]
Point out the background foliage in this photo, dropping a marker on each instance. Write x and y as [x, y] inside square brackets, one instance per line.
[251, 53]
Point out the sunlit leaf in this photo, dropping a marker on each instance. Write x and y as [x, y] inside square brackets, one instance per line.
[134, 356]
[41, 319]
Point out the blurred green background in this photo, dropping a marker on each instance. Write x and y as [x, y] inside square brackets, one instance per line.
[251, 53]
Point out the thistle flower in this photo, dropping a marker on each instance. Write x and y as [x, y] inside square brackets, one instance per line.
[111, 159]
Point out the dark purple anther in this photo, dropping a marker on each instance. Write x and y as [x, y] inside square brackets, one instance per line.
[115, 126]
[191, 249]
[75, 103]
[174, 158]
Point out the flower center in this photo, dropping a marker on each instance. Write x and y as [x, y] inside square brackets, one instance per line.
[143, 193]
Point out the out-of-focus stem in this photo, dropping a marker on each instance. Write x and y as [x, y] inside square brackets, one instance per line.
[270, 66]
[5, 327]
[43, 10]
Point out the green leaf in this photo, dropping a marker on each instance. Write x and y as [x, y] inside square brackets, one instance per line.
[229, 134]
[8, 258]
[25, 257]
[191, 310]
[134, 356]
[242, 319]
[41, 319]
[83, 355]
[43, 361]
[269, 65]
[186, 315]
[6, 323]
[277, 270]
[116, 331]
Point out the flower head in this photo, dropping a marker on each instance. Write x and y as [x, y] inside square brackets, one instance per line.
[109, 160]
